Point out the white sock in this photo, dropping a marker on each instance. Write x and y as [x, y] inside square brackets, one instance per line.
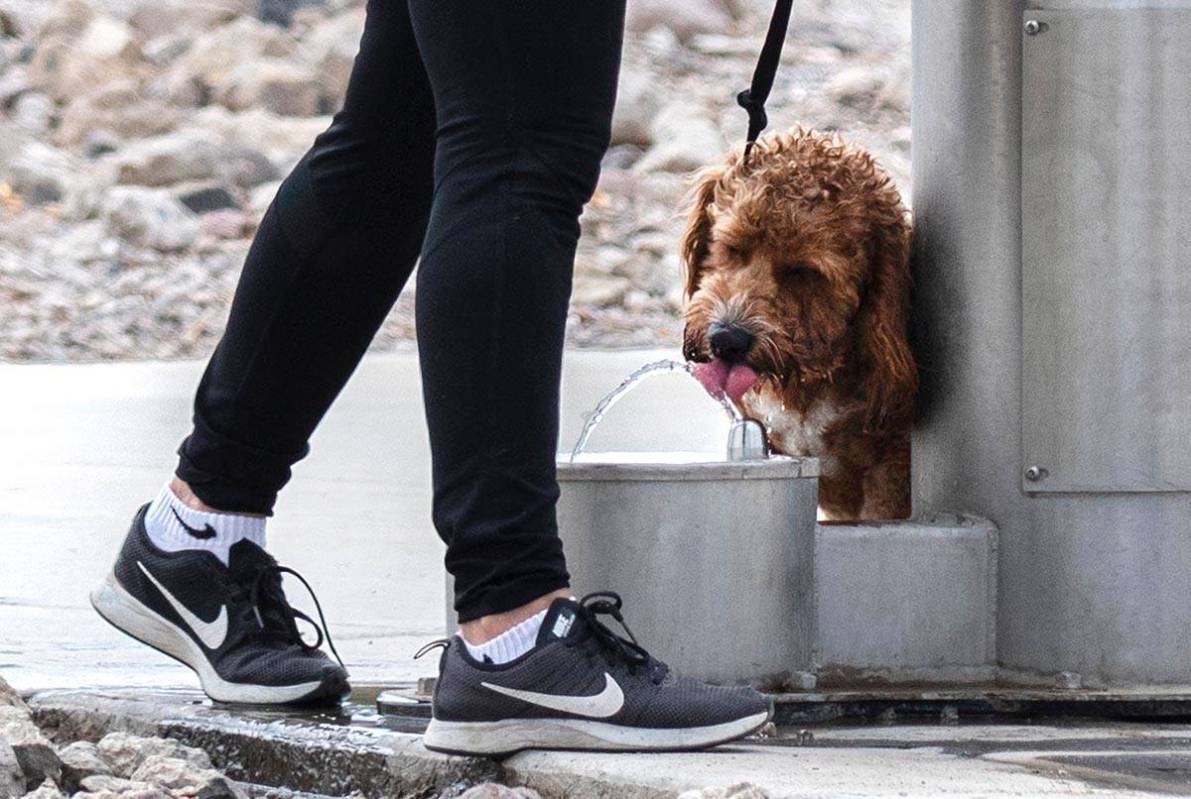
[511, 644]
[168, 518]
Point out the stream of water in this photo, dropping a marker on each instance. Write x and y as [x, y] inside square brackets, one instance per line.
[664, 366]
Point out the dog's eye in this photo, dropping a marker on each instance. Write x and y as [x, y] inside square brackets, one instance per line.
[798, 274]
[732, 251]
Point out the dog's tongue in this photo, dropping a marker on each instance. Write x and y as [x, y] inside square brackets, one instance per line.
[721, 379]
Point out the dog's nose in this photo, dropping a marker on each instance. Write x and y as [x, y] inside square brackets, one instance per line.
[730, 343]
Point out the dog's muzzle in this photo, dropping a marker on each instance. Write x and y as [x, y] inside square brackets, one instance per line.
[729, 343]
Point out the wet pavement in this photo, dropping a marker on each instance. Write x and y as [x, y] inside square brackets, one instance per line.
[81, 446]
[357, 750]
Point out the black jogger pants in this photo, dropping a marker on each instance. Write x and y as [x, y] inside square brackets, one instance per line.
[471, 135]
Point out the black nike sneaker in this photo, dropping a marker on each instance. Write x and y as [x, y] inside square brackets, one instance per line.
[231, 624]
[582, 686]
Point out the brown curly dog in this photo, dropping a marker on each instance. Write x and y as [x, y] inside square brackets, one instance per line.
[798, 293]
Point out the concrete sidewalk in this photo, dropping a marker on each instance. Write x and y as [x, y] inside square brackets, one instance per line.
[81, 446]
[362, 754]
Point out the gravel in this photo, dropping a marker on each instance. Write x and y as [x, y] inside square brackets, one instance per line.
[141, 140]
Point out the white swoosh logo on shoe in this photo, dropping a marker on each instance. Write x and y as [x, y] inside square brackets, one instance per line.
[211, 633]
[607, 702]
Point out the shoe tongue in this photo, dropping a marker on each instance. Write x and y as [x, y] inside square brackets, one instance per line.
[562, 620]
[245, 558]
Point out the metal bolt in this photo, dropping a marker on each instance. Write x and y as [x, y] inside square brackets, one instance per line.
[1033, 27]
[1035, 473]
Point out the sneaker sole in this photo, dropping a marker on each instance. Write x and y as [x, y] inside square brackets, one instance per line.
[492, 738]
[130, 616]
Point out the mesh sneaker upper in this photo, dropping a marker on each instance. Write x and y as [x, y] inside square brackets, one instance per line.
[258, 651]
[575, 665]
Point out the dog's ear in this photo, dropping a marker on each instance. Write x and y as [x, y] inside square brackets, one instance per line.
[697, 239]
[889, 372]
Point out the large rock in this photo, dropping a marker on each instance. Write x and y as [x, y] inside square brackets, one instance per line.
[245, 166]
[599, 290]
[262, 197]
[107, 38]
[14, 81]
[189, 155]
[81, 760]
[16, 22]
[204, 70]
[161, 51]
[637, 98]
[125, 753]
[33, 112]
[119, 108]
[868, 87]
[10, 697]
[275, 85]
[160, 17]
[286, 12]
[66, 18]
[12, 779]
[282, 139]
[41, 174]
[684, 17]
[167, 159]
[107, 49]
[182, 776]
[47, 790]
[330, 46]
[106, 782]
[36, 756]
[685, 140]
[202, 198]
[148, 218]
[227, 225]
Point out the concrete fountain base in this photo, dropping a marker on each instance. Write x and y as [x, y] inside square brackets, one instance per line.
[906, 602]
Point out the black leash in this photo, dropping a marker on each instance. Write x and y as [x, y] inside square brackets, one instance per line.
[753, 98]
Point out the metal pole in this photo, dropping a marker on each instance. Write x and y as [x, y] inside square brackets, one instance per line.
[1094, 574]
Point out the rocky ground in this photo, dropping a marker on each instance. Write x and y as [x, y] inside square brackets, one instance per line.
[55, 763]
[140, 140]
[119, 766]
[124, 766]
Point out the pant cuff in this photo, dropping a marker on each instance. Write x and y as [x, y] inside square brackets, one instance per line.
[230, 476]
[506, 598]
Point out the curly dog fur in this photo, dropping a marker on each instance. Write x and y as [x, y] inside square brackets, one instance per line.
[806, 248]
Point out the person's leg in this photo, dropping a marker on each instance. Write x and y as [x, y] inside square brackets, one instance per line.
[331, 256]
[524, 91]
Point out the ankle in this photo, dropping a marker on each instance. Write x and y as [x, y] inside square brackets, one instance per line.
[187, 497]
[173, 524]
[484, 629]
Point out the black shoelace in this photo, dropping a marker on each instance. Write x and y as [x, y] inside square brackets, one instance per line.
[605, 640]
[614, 646]
[266, 595]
